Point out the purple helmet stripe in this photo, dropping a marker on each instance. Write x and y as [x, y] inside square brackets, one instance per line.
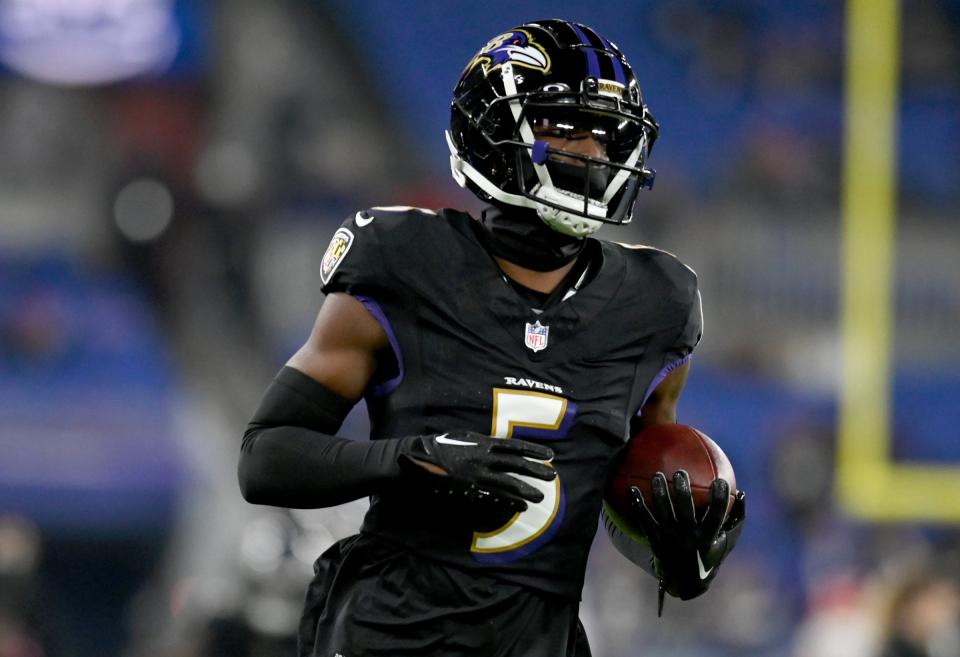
[618, 72]
[596, 40]
[606, 42]
[593, 64]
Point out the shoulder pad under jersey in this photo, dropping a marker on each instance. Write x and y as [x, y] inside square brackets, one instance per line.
[650, 268]
[360, 250]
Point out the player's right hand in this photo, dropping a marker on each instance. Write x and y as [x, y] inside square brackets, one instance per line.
[477, 467]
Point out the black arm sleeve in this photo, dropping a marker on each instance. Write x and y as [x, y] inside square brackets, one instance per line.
[291, 458]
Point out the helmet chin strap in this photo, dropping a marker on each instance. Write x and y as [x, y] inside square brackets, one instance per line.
[521, 237]
[558, 220]
[462, 170]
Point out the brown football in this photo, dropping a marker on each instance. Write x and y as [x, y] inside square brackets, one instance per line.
[667, 448]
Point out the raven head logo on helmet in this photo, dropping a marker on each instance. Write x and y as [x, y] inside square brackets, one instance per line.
[516, 46]
[562, 79]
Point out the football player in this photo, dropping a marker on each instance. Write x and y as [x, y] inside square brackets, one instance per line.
[503, 360]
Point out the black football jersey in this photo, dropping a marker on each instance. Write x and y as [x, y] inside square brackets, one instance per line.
[471, 354]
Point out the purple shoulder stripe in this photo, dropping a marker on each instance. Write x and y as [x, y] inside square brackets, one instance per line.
[386, 387]
[661, 375]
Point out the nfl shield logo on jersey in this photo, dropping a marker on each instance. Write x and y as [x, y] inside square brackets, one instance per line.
[536, 336]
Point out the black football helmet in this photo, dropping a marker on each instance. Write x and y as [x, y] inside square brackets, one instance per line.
[559, 78]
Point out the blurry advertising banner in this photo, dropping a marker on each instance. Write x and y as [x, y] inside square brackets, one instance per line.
[91, 42]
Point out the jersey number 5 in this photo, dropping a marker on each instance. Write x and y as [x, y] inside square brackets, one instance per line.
[519, 414]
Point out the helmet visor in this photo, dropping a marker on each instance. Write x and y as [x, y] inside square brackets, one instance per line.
[615, 136]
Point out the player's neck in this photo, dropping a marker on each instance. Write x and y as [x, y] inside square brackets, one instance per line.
[541, 281]
[519, 236]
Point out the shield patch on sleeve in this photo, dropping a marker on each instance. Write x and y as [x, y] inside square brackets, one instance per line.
[339, 245]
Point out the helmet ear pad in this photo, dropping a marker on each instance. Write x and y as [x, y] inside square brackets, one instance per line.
[481, 154]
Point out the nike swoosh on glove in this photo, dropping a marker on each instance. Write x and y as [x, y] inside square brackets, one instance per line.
[477, 467]
[687, 551]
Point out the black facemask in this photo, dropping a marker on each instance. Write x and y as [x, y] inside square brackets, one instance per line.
[520, 236]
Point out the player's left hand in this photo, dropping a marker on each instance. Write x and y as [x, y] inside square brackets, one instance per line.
[688, 551]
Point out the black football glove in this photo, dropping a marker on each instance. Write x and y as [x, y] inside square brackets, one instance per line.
[475, 467]
[687, 551]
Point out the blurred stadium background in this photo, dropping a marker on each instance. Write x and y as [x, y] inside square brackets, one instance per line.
[172, 169]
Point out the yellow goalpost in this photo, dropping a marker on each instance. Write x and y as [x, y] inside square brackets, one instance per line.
[869, 483]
